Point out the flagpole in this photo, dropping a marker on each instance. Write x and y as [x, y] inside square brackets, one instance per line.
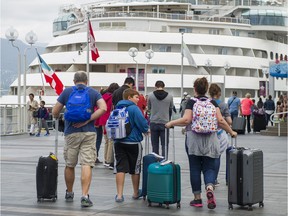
[43, 88]
[182, 33]
[87, 64]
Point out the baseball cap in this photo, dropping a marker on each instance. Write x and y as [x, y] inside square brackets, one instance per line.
[185, 93]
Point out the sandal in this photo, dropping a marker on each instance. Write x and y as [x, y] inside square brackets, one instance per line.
[119, 200]
[139, 195]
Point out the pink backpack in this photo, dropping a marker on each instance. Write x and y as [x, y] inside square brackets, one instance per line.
[204, 119]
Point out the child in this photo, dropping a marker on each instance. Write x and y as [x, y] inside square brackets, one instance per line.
[128, 150]
[43, 115]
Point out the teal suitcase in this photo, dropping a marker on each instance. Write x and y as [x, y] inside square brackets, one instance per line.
[164, 180]
[164, 184]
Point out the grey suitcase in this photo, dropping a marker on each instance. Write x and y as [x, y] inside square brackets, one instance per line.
[245, 179]
[239, 124]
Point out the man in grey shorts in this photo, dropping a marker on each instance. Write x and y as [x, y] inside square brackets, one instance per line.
[80, 139]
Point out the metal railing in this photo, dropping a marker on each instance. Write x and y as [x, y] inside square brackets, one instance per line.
[10, 124]
[277, 120]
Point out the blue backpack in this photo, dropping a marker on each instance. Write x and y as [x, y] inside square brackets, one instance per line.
[78, 107]
[118, 125]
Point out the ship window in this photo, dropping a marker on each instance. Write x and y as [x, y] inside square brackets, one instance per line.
[158, 70]
[271, 55]
[185, 30]
[105, 25]
[223, 51]
[235, 32]
[164, 48]
[214, 31]
[118, 24]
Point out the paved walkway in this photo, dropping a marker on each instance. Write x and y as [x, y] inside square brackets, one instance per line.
[19, 156]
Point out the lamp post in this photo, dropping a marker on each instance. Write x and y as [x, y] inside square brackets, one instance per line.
[265, 71]
[149, 55]
[30, 38]
[12, 34]
[226, 68]
[208, 64]
[133, 52]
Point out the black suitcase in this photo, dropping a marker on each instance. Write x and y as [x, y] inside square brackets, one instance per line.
[245, 179]
[47, 173]
[259, 123]
[46, 178]
[239, 124]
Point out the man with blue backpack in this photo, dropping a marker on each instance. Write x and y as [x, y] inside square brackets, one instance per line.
[79, 132]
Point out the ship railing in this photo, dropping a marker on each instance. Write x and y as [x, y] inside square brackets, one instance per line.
[275, 118]
[12, 124]
[170, 16]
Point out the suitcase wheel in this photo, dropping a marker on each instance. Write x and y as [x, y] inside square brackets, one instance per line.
[230, 206]
[54, 199]
[149, 203]
[261, 204]
[144, 198]
[250, 208]
[167, 206]
[178, 205]
[160, 204]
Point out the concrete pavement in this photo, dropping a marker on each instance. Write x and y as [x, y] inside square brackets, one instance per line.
[20, 153]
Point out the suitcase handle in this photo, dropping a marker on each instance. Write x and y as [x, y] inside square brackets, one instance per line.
[232, 144]
[166, 144]
[146, 144]
[56, 136]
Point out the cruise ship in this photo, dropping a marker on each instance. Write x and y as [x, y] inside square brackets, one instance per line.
[233, 43]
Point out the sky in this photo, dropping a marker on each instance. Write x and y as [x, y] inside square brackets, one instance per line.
[35, 15]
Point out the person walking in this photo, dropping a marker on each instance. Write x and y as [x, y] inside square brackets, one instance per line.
[32, 113]
[43, 115]
[215, 93]
[160, 103]
[202, 148]
[246, 105]
[80, 137]
[269, 107]
[101, 122]
[234, 104]
[118, 94]
[128, 150]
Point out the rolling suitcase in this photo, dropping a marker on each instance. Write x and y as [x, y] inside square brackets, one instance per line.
[47, 173]
[245, 178]
[147, 160]
[239, 124]
[164, 181]
[259, 123]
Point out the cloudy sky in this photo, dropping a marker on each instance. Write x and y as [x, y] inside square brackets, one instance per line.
[27, 15]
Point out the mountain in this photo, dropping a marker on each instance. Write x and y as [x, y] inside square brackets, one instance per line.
[9, 61]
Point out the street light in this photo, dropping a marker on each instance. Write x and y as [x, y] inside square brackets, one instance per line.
[265, 71]
[12, 34]
[208, 64]
[149, 55]
[226, 68]
[31, 39]
[133, 52]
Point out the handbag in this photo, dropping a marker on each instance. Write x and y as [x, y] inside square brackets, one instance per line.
[35, 114]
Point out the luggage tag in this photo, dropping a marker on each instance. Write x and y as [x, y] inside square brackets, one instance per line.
[159, 157]
[165, 162]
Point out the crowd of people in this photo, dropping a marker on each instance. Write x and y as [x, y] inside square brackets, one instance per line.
[151, 114]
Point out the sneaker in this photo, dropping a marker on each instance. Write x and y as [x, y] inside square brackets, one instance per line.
[106, 164]
[119, 200]
[216, 183]
[97, 161]
[47, 134]
[69, 196]
[111, 166]
[32, 134]
[38, 135]
[211, 202]
[196, 203]
[86, 202]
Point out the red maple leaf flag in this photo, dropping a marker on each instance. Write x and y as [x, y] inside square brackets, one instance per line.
[93, 48]
[51, 77]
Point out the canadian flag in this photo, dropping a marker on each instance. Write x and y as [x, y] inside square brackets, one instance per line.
[51, 77]
[93, 48]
